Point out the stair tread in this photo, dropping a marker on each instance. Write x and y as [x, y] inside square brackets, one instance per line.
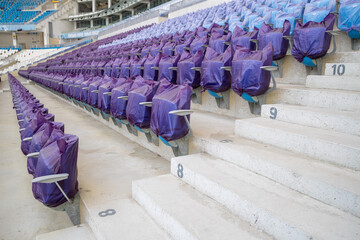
[126, 222]
[333, 112]
[79, 232]
[208, 219]
[349, 140]
[317, 219]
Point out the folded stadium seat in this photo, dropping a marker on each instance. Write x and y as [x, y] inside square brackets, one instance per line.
[280, 44]
[189, 36]
[57, 157]
[213, 76]
[137, 112]
[84, 91]
[39, 139]
[137, 66]
[151, 67]
[311, 41]
[349, 21]
[116, 66]
[243, 39]
[250, 76]
[189, 67]
[146, 48]
[77, 89]
[119, 100]
[199, 43]
[167, 65]
[108, 67]
[169, 48]
[93, 92]
[101, 66]
[104, 96]
[220, 39]
[86, 67]
[32, 122]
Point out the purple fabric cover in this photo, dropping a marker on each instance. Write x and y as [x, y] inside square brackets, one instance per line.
[242, 38]
[199, 43]
[212, 77]
[218, 39]
[170, 97]
[118, 106]
[108, 67]
[164, 64]
[115, 71]
[42, 135]
[36, 121]
[104, 100]
[84, 93]
[93, 96]
[149, 73]
[60, 156]
[311, 39]
[137, 114]
[77, 87]
[275, 36]
[185, 74]
[247, 76]
[134, 66]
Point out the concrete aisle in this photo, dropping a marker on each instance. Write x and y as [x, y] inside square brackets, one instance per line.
[107, 163]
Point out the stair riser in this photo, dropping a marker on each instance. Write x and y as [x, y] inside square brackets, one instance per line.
[331, 82]
[326, 193]
[309, 118]
[162, 218]
[239, 206]
[319, 98]
[342, 69]
[327, 151]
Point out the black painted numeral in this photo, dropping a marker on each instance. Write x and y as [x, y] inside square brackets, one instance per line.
[107, 212]
[273, 112]
[180, 171]
[339, 69]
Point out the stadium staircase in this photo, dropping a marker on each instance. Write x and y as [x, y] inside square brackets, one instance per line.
[290, 173]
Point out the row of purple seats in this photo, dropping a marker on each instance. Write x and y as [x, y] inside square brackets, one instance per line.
[51, 154]
[126, 101]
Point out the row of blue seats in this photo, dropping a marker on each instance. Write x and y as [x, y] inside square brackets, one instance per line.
[43, 16]
[51, 154]
[17, 16]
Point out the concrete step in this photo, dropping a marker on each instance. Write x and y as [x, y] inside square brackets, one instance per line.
[342, 69]
[126, 219]
[326, 182]
[79, 232]
[338, 148]
[325, 98]
[341, 121]
[186, 214]
[271, 207]
[350, 83]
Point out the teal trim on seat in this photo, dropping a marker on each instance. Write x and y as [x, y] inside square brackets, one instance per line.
[139, 129]
[165, 142]
[214, 94]
[120, 121]
[308, 62]
[354, 34]
[248, 98]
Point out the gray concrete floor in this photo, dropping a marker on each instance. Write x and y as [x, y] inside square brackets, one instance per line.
[107, 164]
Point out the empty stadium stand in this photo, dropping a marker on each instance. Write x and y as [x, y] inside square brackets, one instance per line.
[18, 11]
[254, 103]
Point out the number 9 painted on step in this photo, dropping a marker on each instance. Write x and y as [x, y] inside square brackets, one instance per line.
[273, 113]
